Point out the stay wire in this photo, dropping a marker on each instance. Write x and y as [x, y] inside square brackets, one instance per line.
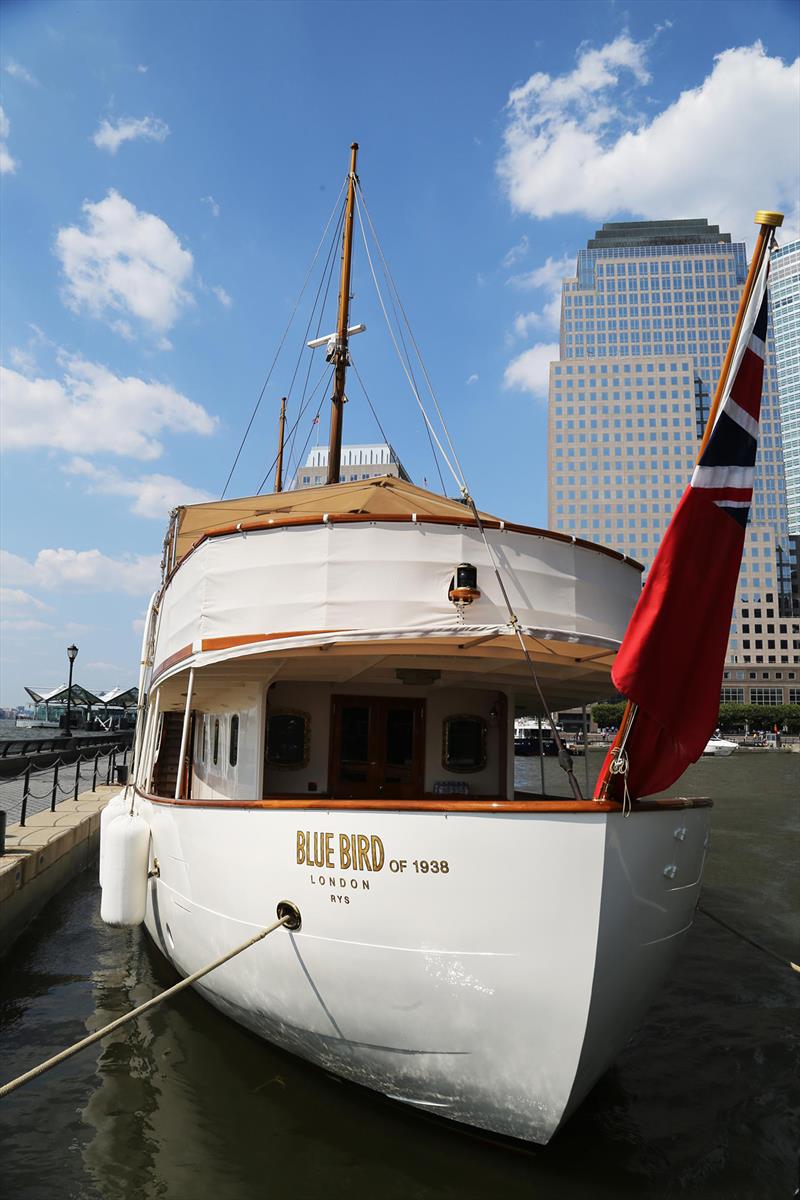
[393, 286]
[271, 467]
[283, 339]
[369, 402]
[316, 417]
[564, 757]
[417, 397]
[394, 300]
[290, 452]
[325, 278]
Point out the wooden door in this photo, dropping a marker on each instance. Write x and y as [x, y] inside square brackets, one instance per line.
[377, 747]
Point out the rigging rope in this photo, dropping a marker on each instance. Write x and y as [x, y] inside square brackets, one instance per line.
[785, 962]
[283, 339]
[417, 351]
[290, 920]
[564, 756]
[369, 402]
[290, 451]
[395, 301]
[397, 348]
[316, 417]
[325, 374]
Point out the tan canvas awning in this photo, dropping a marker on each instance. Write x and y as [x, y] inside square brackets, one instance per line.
[385, 495]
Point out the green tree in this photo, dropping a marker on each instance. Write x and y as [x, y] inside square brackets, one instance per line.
[607, 715]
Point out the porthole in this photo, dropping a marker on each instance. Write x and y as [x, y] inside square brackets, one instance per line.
[288, 739]
[464, 743]
[216, 741]
[233, 749]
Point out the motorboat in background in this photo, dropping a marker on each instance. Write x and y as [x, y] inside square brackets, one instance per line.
[720, 748]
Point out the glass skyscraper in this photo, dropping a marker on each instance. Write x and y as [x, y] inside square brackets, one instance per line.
[644, 328]
[784, 292]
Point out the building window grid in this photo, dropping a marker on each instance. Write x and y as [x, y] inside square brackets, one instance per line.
[605, 305]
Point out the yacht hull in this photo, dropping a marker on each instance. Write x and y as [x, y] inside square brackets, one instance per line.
[492, 989]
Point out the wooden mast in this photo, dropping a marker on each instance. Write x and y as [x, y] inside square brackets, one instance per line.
[281, 430]
[339, 357]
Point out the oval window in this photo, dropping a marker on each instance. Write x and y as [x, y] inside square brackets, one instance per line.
[464, 743]
[203, 741]
[216, 741]
[233, 750]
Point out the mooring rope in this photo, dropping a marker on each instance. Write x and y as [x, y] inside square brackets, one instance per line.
[785, 962]
[290, 919]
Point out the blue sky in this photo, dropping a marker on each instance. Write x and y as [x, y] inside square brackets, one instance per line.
[168, 170]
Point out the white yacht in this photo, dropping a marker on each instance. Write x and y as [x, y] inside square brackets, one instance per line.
[330, 683]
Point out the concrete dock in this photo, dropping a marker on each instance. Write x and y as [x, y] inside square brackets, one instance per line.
[41, 857]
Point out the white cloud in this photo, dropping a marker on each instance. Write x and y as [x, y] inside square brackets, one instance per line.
[17, 71]
[212, 204]
[111, 134]
[142, 69]
[225, 300]
[720, 150]
[125, 262]
[93, 411]
[516, 252]
[8, 165]
[83, 570]
[22, 359]
[472, 379]
[152, 495]
[14, 600]
[546, 278]
[548, 275]
[137, 625]
[23, 625]
[530, 371]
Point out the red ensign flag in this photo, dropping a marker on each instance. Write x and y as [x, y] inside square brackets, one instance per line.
[671, 659]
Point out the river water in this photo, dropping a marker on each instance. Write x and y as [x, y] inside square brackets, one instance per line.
[703, 1102]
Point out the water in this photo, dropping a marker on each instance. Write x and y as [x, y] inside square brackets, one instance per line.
[703, 1102]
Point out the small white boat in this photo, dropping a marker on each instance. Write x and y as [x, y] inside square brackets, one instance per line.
[719, 748]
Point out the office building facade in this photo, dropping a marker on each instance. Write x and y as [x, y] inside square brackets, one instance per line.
[645, 325]
[358, 462]
[784, 294]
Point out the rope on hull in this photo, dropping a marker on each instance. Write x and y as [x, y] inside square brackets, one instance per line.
[288, 917]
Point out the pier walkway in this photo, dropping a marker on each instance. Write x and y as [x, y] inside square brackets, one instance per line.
[44, 854]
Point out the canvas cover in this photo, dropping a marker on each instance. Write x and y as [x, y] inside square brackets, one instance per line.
[384, 495]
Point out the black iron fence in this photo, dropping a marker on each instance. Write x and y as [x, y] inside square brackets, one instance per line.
[37, 788]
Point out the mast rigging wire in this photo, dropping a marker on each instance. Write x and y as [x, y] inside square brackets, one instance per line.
[393, 288]
[564, 757]
[418, 398]
[325, 373]
[283, 339]
[316, 418]
[369, 402]
[329, 269]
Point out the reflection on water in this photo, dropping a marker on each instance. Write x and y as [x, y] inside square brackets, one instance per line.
[186, 1104]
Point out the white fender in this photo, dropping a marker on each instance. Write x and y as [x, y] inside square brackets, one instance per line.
[125, 863]
[116, 805]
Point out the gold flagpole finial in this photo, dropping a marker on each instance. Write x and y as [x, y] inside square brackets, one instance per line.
[775, 219]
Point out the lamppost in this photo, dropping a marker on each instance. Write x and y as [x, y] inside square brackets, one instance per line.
[72, 654]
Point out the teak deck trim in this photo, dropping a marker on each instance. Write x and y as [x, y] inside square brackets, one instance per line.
[445, 805]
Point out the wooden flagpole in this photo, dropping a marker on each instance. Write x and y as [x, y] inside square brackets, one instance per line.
[768, 222]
